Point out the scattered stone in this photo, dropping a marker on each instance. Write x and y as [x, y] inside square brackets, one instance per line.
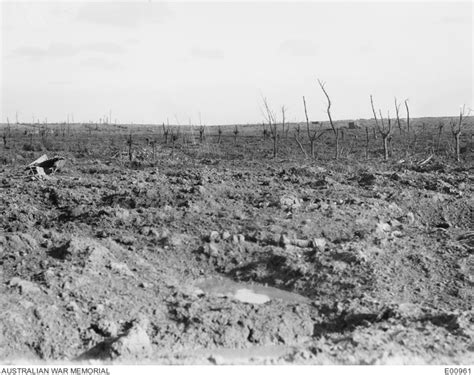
[290, 202]
[214, 236]
[285, 240]
[319, 243]
[302, 243]
[126, 240]
[238, 238]
[107, 327]
[383, 228]
[146, 231]
[211, 249]
[225, 235]
[25, 286]
[202, 190]
[122, 213]
[72, 306]
[133, 345]
[121, 268]
[410, 217]
[397, 233]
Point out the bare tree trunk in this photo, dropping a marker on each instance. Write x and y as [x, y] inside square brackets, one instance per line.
[384, 132]
[166, 131]
[301, 146]
[397, 109]
[408, 117]
[385, 146]
[438, 141]
[271, 118]
[366, 143]
[311, 137]
[129, 142]
[283, 115]
[236, 132]
[456, 130]
[275, 145]
[335, 131]
[457, 137]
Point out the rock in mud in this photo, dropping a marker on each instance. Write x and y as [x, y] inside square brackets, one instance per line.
[226, 235]
[131, 346]
[289, 202]
[24, 286]
[214, 236]
[238, 238]
[126, 240]
[319, 243]
[212, 249]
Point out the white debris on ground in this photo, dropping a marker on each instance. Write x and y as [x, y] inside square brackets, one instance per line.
[44, 166]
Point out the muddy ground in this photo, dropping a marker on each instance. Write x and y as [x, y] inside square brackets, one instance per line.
[121, 262]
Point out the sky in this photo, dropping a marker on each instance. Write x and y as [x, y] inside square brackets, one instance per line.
[212, 62]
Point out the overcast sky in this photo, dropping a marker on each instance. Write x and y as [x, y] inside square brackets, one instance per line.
[149, 61]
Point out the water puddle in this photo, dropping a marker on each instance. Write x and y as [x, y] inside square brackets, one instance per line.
[246, 292]
[241, 356]
[247, 295]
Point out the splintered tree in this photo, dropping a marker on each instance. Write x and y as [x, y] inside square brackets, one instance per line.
[456, 130]
[408, 117]
[312, 135]
[153, 148]
[130, 144]
[201, 133]
[9, 130]
[202, 129]
[236, 133]
[367, 142]
[6, 133]
[166, 131]
[335, 131]
[283, 113]
[264, 131]
[298, 130]
[397, 111]
[271, 119]
[440, 131]
[385, 132]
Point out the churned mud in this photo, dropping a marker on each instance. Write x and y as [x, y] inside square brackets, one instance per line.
[202, 258]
